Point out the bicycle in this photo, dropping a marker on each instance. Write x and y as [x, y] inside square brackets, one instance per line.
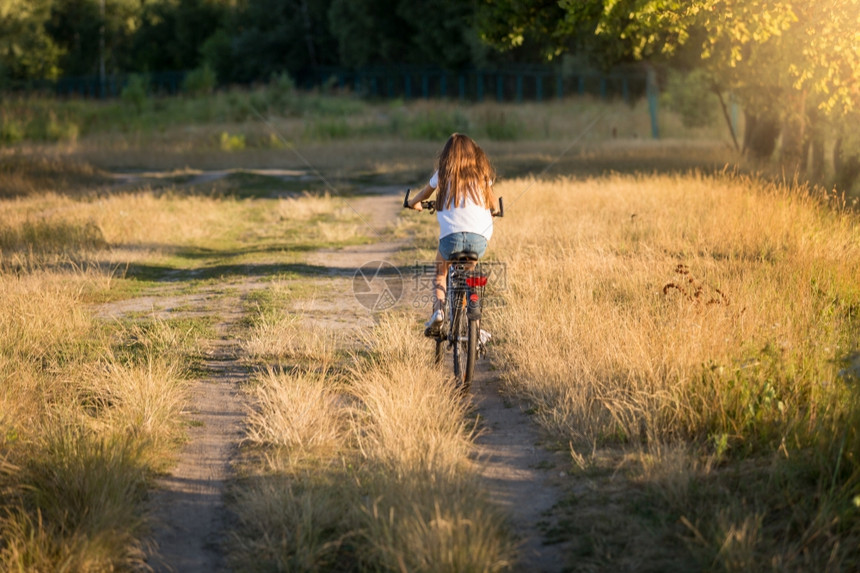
[460, 330]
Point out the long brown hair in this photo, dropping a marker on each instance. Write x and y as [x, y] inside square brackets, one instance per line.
[464, 170]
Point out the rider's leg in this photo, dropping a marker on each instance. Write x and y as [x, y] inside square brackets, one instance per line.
[439, 281]
[436, 318]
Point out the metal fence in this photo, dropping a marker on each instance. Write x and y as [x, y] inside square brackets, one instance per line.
[508, 84]
[512, 84]
[92, 87]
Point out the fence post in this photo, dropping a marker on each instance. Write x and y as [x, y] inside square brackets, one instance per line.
[443, 85]
[559, 87]
[479, 77]
[462, 86]
[539, 87]
[519, 88]
[425, 85]
[499, 87]
[652, 91]
[407, 88]
[581, 85]
[625, 90]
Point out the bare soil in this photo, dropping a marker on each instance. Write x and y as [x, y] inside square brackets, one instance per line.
[188, 508]
[521, 476]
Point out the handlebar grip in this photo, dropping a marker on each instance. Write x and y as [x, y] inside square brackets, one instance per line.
[501, 208]
[406, 199]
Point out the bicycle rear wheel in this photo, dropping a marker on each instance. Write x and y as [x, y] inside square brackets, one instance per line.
[465, 344]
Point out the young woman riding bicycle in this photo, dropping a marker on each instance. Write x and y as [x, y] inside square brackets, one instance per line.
[465, 204]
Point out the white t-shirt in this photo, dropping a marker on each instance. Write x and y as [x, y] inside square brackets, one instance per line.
[467, 217]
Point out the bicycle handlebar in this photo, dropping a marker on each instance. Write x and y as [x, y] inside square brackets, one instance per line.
[431, 205]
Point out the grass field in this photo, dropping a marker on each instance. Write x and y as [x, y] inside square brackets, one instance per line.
[687, 334]
[92, 409]
[698, 338]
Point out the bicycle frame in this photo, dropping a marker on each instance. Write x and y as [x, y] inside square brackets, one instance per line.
[460, 329]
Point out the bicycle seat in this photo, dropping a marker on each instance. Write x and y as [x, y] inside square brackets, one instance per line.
[464, 257]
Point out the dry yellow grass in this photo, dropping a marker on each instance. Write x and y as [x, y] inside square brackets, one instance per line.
[365, 470]
[659, 311]
[429, 512]
[80, 429]
[629, 285]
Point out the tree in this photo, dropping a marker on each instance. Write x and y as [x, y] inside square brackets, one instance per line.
[782, 59]
[172, 32]
[27, 51]
[77, 27]
[405, 31]
[266, 37]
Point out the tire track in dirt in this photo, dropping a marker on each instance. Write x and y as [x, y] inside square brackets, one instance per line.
[188, 511]
[519, 474]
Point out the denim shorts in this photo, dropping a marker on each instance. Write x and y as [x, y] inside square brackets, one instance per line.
[456, 242]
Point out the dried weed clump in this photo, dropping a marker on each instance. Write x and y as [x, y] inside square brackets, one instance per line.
[84, 422]
[715, 312]
[365, 468]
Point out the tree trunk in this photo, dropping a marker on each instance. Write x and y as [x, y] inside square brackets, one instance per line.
[815, 153]
[791, 153]
[727, 117]
[847, 166]
[309, 37]
[794, 134]
[760, 135]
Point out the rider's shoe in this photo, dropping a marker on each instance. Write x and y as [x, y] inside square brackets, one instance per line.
[484, 337]
[435, 323]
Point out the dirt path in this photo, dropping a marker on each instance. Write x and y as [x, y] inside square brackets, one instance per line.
[188, 508]
[190, 517]
[518, 473]
[521, 476]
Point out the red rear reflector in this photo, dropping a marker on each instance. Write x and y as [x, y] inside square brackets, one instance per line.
[473, 298]
[476, 281]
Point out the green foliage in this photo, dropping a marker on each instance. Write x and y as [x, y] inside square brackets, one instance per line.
[437, 125]
[10, 130]
[502, 126]
[328, 128]
[26, 48]
[512, 25]
[691, 96]
[134, 92]
[199, 82]
[171, 34]
[232, 142]
[271, 36]
[281, 93]
[791, 62]
[57, 130]
[381, 31]
[44, 125]
[241, 41]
